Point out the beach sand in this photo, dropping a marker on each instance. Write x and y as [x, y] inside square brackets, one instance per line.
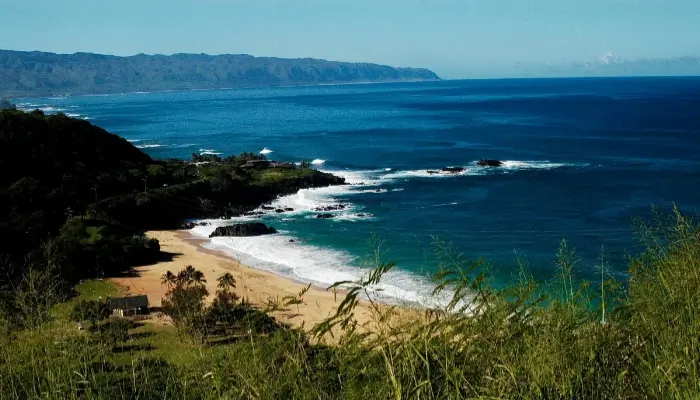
[259, 287]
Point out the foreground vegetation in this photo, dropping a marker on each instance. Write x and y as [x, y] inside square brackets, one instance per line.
[588, 340]
[75, 201]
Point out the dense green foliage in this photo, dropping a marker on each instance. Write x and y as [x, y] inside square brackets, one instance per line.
[78, 198]
[36, 73]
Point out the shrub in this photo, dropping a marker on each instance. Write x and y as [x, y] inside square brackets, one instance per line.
[90, 310]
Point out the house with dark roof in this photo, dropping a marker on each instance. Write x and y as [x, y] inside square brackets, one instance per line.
[131, 305]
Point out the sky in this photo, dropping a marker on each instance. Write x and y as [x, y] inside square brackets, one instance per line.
[455, 38]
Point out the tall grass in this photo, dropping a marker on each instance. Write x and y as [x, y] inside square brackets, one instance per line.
[562, 339]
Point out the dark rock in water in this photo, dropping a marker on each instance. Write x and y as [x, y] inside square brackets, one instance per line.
[191, 225]
[292, 240]
[334, 207]
[489, 163]
[188, 225]
[279, 210]
[288, 209]
[324, 216]
[247, 229]
[360, 215]
[254, 213]
[432, 172]
[452, 170]
[267, 208]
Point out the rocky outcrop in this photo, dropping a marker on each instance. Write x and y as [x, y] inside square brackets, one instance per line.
[332, 207]
[489, 163]
[192, 225]
[325, 216]
[247, 229]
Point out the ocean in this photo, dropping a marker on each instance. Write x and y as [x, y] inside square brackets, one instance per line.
[582, 159]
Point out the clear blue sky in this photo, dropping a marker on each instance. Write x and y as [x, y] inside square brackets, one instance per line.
[455, 38]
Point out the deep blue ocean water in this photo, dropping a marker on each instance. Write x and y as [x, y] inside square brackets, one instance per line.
[583, 157]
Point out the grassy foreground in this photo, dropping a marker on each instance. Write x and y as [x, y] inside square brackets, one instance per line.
[553, 340]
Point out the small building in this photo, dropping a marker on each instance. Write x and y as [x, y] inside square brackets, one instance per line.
[126, 306]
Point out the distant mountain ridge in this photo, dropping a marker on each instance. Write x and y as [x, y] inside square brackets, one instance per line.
[37, 73]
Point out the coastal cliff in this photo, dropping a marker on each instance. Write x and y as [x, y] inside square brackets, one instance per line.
[44, 74]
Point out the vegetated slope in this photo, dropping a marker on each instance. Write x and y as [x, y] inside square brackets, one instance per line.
[40, 73]
[52, 167]
[70, 183]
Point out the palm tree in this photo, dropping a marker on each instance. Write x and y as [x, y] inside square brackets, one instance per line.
[226, 281]
[168, 278]
[190, 276]
[198, 278]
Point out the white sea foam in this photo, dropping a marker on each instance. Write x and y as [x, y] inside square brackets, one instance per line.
[472, 169]
[49, 109]
[318, 161]
[149, 146]
[72, 115]
[211, 153]
[134, 140]
[28, 107]
[314, 264]
[520, 165]
[265, 150]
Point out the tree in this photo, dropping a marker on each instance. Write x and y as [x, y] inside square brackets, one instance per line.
[184, 303]
[169, 279]
[226, 281]
[225, 310]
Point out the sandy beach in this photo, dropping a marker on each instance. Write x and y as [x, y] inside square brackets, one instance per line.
[259, 287]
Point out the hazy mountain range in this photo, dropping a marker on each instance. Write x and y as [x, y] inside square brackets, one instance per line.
[24, 74]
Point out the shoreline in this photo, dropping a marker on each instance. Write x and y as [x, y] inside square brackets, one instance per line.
[344, 83]
[260, 287]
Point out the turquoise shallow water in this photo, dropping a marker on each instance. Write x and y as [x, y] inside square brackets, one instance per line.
[584, 156]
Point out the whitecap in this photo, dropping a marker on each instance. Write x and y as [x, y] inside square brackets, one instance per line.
[211, 153]
[434, 173]
[318, 161]
[72, 115]
[148, 146]
[545, 164]
[265, 150]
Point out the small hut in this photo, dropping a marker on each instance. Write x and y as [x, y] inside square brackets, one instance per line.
[125, 306]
